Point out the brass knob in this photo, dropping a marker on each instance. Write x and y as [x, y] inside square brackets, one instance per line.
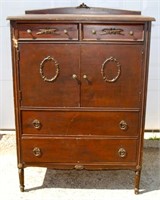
[93, 32]
[131, 33]
[29, 31]
[123, 125]
[85, 77]
[65, 32]
[122, 152]
[74, 76]
[37, 152]
[36, 124]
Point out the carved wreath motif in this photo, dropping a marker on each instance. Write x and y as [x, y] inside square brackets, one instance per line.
[105, 78]
[42, 64]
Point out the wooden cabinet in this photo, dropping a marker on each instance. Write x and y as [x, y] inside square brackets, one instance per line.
[80, 83]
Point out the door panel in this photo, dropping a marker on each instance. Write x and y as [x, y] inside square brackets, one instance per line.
[46, 74]
[113, 75]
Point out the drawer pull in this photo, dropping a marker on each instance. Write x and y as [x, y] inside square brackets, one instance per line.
[79, 167]
[42, 64]
[37, 152]
[93, 32]
[122, 152]
[131, 33]
[36, 124]
[29, 31]
[65, 32]
[112, 31]
[74, 76]
[123, 125]
[47, 31]
[85, 77]
[105, 78]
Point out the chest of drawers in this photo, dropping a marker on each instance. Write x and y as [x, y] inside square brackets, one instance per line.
[80, 82]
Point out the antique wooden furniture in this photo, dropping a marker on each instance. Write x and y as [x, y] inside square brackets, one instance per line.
[80, 82]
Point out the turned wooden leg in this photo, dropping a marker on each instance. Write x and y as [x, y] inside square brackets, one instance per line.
[21, 177]
[137, 181]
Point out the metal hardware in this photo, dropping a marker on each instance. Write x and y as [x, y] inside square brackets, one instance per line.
[36, 124]
[79, 167]
[29, 31]
[86, 78]
[42, 64]
[83, 6]
[15, 43]
[74, 76]
[94, 32]
[47, 31]
[111, 59]
[123, 125]
[37, 152]
[65, 32]
[122, 152]
[112, 31]
[131, 33]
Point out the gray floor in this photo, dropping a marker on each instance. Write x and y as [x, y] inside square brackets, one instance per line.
[47, 184]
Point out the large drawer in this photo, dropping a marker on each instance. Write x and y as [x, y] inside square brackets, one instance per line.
[78, 150]
[48, 31]
[118, 32]
[81, 123]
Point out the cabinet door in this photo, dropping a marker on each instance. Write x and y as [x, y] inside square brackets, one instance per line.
[46, 75]
[111, 75]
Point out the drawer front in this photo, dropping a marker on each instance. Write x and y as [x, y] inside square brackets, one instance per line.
[48, 31]
[113, 32]
[73, 150]
[80, 123]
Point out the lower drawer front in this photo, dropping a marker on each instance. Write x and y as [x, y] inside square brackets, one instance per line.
[78, 150]
[80, 123]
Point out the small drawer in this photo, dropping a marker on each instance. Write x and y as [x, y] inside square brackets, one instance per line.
[48, 31]
[78, 150]
[58, 123]
[113, 32]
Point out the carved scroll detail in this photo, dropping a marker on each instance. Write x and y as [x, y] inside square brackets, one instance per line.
[47, 31]
[112, 31]
[83, 6]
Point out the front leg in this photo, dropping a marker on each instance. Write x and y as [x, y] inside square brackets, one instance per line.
[137, 180]
[21, 176]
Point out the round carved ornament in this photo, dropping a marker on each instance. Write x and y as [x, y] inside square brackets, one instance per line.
[104, 65]
[42, 64]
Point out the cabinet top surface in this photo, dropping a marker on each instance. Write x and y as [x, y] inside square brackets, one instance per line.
[81, 17]
[82, 13]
